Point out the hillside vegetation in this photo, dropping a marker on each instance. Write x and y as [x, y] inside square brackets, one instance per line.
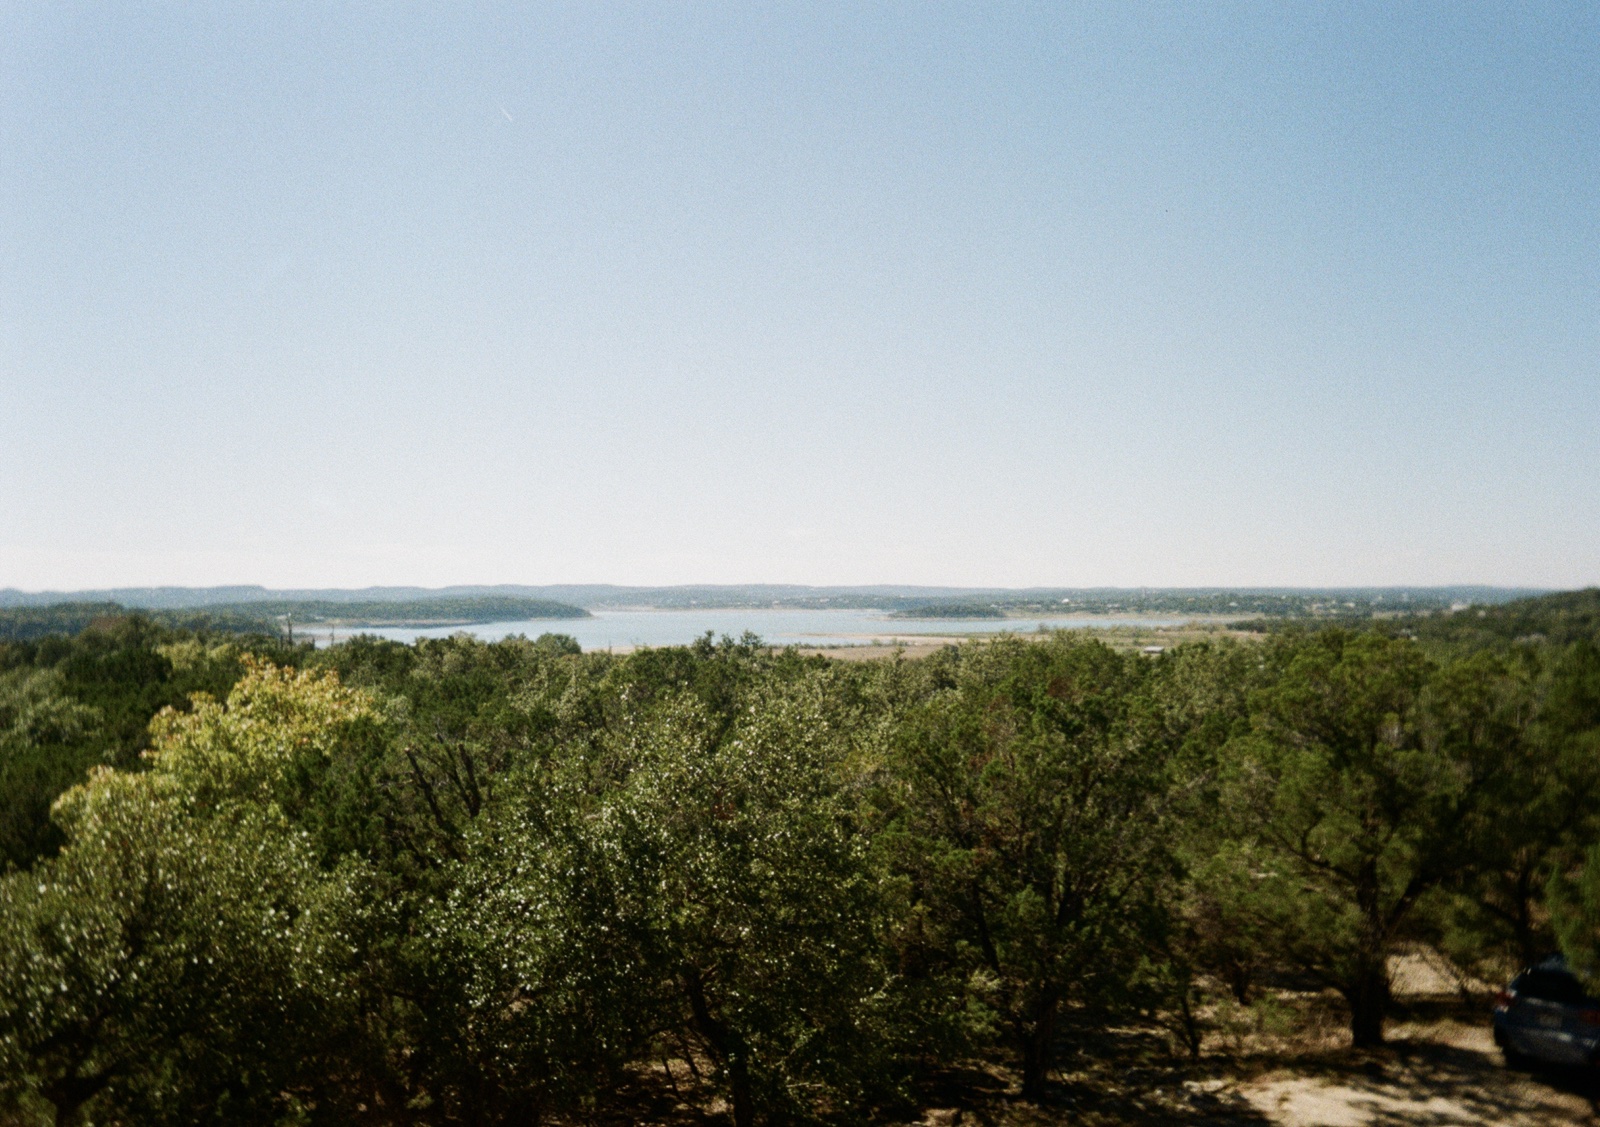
[511, 883]
[1559, 619]
[20, 623]
[433, 611]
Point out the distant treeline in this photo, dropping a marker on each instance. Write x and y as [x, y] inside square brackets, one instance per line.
[20, 624]
[25, 622]
[1346, 605]
[1327, 606]
[1559, 619]
[949, 610]
[443, 611]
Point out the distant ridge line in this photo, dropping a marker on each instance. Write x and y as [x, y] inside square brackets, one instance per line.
[602, 595]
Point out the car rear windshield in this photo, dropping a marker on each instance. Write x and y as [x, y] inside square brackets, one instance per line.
[1551, 986]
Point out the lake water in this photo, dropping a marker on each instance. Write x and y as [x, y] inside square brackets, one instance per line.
[623, 629]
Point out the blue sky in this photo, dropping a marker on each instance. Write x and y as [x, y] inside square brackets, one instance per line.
[975, 294]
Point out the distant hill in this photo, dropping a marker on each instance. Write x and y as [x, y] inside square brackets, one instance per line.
[1559, 619]
[189, 598]
[431, 611]
[21, 623]
[1240, 601]
[593, 595]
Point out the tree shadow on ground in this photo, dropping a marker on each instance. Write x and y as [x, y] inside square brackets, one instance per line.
[1438, 1071]
[1119, 1078]
[1427, 1083]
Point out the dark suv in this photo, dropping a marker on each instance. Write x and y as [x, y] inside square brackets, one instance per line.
[1546, 1014]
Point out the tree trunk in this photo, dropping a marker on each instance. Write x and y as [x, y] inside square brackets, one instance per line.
[1369, 1002]
[744, 1106]
[1526, 944]
[524, 1112]
[1189, 1022]
[1038, 1050]
[725, 1047]
[1368, 994]
[69, 1093]
[1238, 977]
[66, 1112]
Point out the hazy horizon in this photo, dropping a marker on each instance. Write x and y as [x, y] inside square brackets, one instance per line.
[1152, 295]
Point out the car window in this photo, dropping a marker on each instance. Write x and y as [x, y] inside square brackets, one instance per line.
[1551, 986]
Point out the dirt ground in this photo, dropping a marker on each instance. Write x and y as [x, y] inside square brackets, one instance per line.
[1440, 1074]
[1285, 1061]
[1446, 1073]
[1439, 1069]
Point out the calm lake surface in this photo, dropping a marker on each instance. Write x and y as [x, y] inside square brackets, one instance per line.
[621, 629]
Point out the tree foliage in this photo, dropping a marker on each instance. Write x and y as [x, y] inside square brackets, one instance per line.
[456, 883]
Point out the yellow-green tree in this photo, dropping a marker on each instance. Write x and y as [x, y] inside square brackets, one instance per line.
[182, 952]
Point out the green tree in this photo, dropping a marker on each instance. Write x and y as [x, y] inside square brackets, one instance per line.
[1347, 803]
[1534, 799]
[738, 858]
[179, 959]
[1028, 823]
[1570, 731]
[71, 703]
[1195, 700]
[48, 740]
[536, 987]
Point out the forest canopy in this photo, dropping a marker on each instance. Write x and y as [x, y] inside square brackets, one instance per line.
[465, 883]
[273, 616]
